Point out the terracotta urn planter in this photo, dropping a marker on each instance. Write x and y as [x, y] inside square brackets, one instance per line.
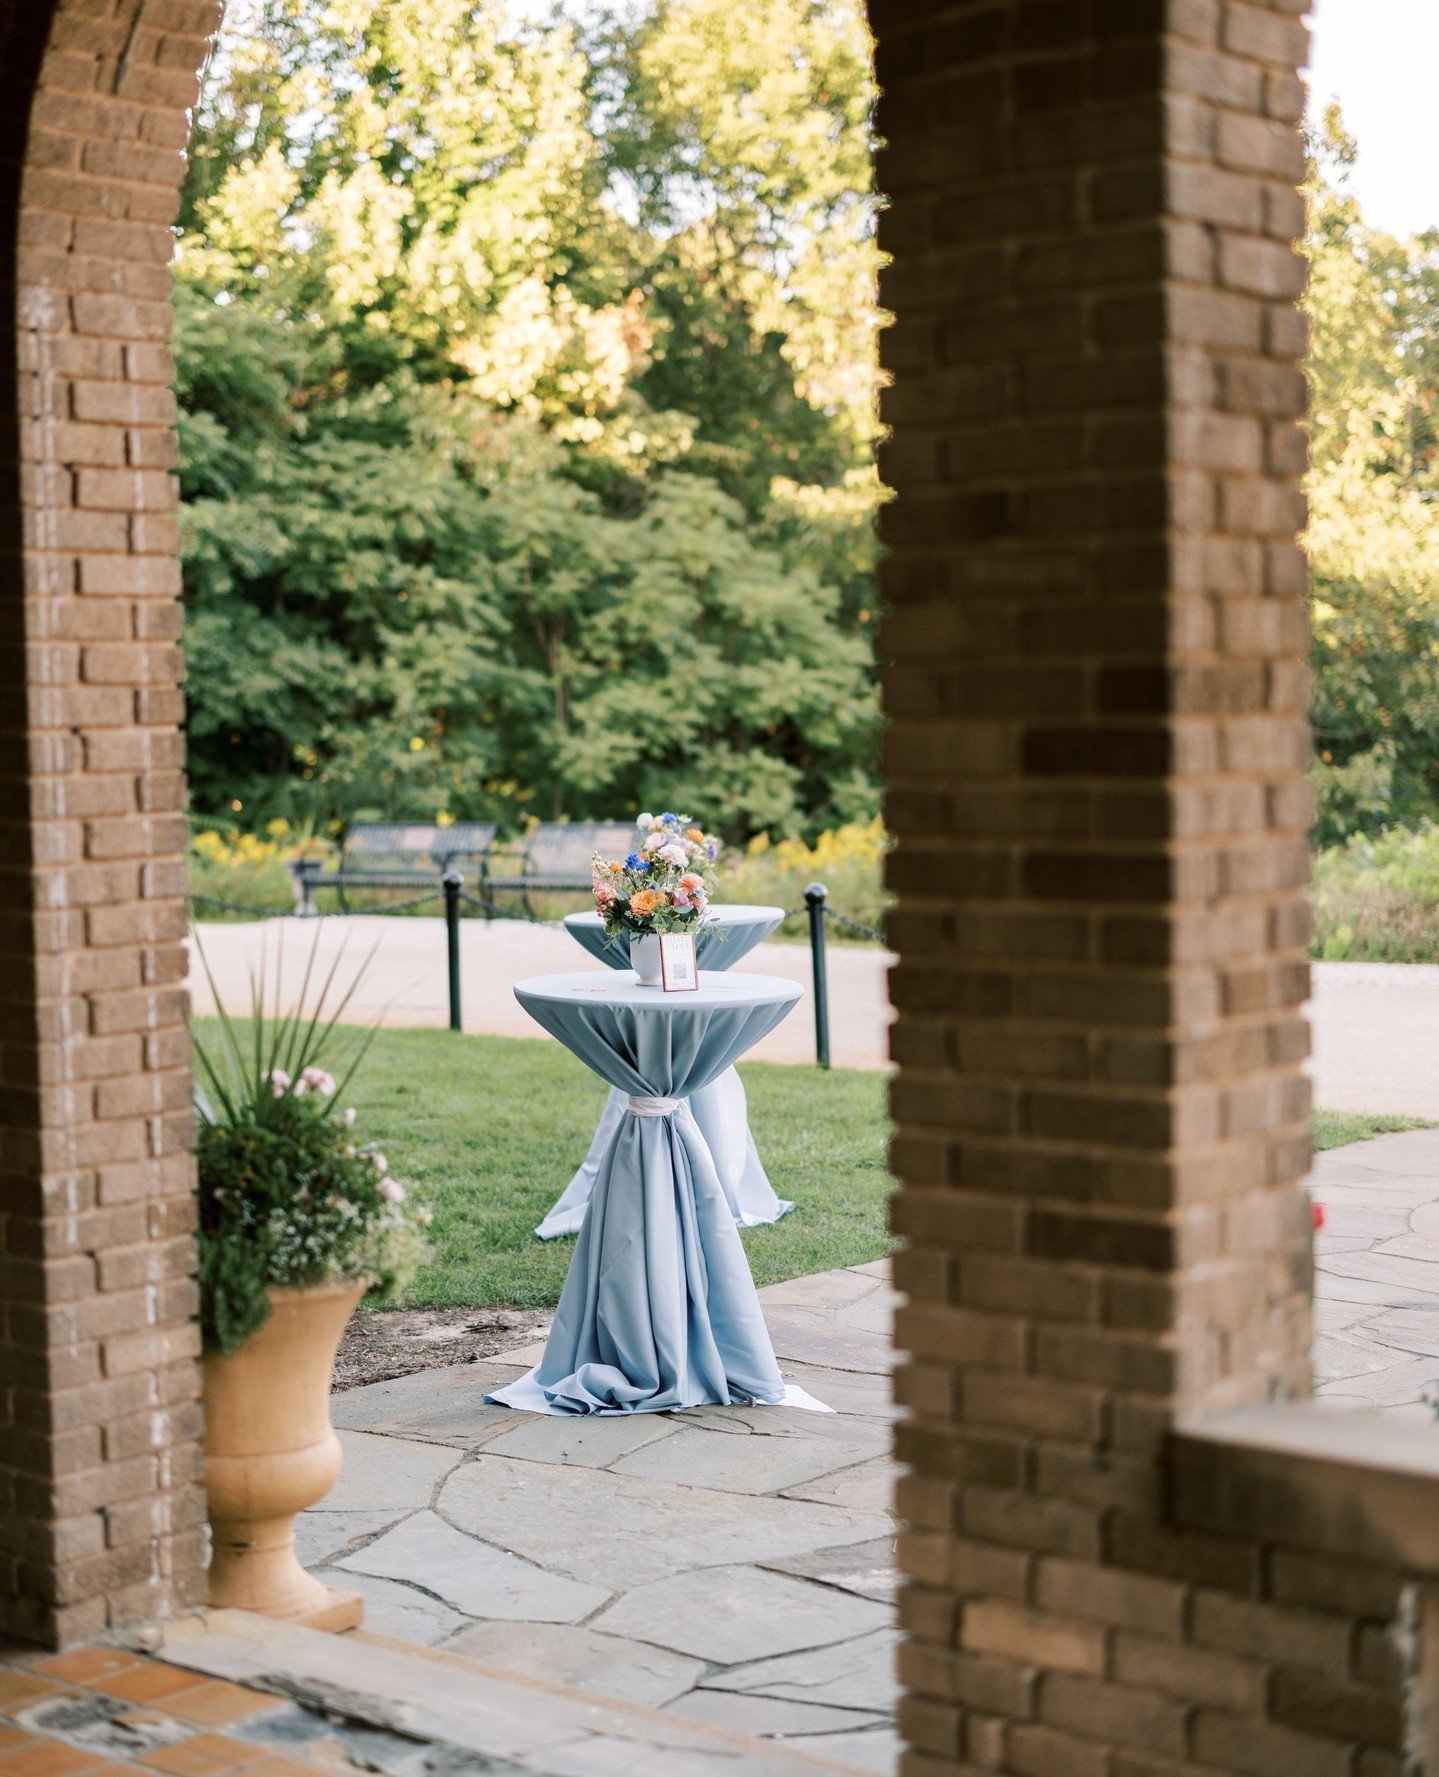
[270, 1451]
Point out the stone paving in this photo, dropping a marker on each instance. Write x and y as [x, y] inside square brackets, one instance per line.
[734, 1566]
[1376, 1307]
[729, 1566]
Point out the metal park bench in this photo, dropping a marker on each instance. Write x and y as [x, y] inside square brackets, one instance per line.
[394, 855]
[555, 858]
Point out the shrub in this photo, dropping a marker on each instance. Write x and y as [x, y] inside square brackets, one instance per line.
[287, 1196]
[249, 869]
[1377, 899]
[849, 862]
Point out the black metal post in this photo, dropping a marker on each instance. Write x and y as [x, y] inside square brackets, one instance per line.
[453, 883]
[305, 874]
[814, 898]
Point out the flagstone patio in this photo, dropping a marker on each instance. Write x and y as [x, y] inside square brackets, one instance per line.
[1376, 1308]
[734, 1566]
[728, 1566]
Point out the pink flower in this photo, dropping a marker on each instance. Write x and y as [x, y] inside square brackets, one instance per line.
[348, 1117]
[278, 1081]
[392, 1190]
[316, 1079]
[691, 882]
[379, 1162]
[682, 901]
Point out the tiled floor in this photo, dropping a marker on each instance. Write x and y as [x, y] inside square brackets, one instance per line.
[732, 1566]
[103, 1710]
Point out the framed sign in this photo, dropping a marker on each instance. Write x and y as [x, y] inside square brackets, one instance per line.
[679, 963]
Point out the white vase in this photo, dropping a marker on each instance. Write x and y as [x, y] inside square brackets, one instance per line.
[645, 959]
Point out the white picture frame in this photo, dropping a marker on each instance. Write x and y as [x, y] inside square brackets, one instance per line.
[679, 963]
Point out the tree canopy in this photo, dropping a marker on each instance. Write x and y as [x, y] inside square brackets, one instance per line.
[1373, 487]
[527, 380]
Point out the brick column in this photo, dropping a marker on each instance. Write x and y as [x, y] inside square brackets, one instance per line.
[99, 1410]
[1097, 694]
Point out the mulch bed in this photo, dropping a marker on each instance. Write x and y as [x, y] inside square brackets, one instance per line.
[389, 1342]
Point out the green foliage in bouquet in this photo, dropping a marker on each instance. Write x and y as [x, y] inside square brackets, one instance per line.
[287, 1195]
[664, 885]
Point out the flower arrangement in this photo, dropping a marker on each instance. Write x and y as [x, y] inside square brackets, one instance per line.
[663, 886]
[288, 1196]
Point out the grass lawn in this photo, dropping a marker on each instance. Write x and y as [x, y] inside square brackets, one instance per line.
[491, 1129]
[1332, 1129]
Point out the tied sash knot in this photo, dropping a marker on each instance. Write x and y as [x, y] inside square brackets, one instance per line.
[640, 1106]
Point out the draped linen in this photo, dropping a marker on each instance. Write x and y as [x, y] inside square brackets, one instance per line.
[658, 1310]
[720, 1109]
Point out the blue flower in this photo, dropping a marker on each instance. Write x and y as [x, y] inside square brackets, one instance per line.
[635, 862]
[670, 820]
[713, 850]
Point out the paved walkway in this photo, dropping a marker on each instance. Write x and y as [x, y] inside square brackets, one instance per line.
[1376, 1026]
[727, 1566]
[1376, 1038]
[406, 982]
[1376, 1308]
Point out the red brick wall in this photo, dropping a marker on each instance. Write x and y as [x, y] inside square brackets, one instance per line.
[99, 1410]
[1097, 691]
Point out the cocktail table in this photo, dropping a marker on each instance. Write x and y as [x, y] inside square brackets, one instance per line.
[658, 1310]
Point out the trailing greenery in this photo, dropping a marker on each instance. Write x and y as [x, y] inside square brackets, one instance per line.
[526, 376]
[286, 1195]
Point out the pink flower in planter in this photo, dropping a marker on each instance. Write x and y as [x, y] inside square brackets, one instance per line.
[392, 1190]
[278, 1081]
[317, 1080]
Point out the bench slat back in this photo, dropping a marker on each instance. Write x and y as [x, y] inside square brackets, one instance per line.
[564, 848]
[409, 845]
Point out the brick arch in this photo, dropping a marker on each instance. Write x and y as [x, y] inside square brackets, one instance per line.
[99, 1391]
[1096, 695]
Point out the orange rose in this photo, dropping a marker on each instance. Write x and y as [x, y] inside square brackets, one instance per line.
[644, 902]
[694, 834]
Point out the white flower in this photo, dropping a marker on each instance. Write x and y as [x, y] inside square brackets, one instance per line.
[645, 820]
[392, 1190]
[348, 1117]
[379, 1162]
[674, 854]
[654, 841]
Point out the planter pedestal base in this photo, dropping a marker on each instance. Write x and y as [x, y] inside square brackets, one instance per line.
[271, 1452]
[341, 1610]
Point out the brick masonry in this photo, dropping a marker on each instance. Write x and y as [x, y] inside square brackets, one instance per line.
[1097, 693]
[100, 1507]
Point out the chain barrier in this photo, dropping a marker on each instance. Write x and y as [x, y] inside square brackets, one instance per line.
[240, 907]
[452, 896]
[853, 925]
[494, 910]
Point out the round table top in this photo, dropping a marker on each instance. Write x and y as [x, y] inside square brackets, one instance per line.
[721, 913]
[621, 988]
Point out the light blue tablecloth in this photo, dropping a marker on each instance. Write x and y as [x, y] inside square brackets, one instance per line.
[720, 1109]
[658, 1310]
[729, 933]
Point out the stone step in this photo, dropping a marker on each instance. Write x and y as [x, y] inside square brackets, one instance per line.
[476, 1717]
